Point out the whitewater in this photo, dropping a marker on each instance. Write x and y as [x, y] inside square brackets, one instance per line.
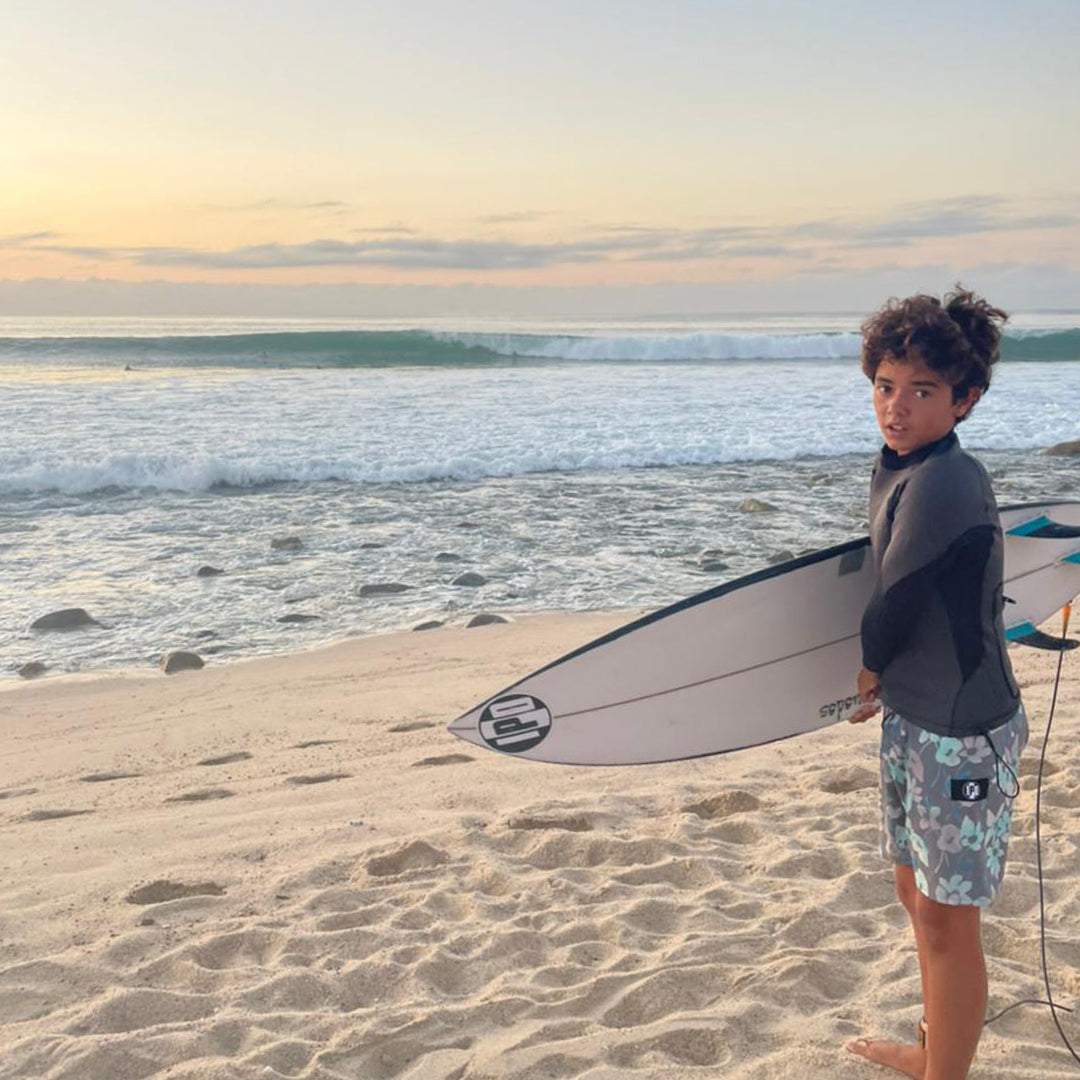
[574, 464]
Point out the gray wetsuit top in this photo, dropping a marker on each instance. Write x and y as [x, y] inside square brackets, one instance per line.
[933, 629]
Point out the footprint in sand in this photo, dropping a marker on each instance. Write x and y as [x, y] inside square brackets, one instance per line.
[723, 805]
[315, 742]
[412, 725]
[318, 778]
[1029, 766]
[415, 856]
[159, 892]
[53, 815]
[445, 759]
[104, 777]
[847, 780]
[227, 759]
[202, 796]
[15, 793]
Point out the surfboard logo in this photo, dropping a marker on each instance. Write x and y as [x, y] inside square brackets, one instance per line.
[839, 707]
[515, 723]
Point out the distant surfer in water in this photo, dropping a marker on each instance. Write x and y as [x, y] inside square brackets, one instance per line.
[934, 657]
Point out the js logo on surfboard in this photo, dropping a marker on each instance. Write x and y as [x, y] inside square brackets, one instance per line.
[515, 723]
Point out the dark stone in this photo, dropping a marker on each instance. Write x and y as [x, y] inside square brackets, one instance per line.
[470, 579]
[205, 635]
[67, 619]
[387, 588]
[296, 617]
[1064, 449]
[713, 566]
[208, 571]
[468, 525]
[173, 662]
[370, 545]
[484, 619]
[780, 557]
[33, 669]
[432, 624]
[286, 543]
[447, 556]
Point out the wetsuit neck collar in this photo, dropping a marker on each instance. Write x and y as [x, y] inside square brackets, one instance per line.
[892, 460]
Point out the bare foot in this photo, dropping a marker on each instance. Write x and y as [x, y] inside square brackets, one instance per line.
[904, 1058]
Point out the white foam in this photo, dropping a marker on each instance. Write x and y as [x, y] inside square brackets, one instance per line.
[652, 347]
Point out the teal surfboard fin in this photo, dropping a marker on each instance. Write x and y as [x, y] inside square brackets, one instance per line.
[1042, 528]
[1026, 634]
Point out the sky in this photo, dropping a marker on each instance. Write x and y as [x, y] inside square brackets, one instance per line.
[422, 156]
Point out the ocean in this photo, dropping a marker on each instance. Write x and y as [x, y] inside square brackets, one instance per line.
[573, 464]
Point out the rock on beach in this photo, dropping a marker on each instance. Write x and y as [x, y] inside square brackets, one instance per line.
[67, 619]
[173, 662]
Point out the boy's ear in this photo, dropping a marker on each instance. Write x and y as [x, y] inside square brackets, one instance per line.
[962, 407]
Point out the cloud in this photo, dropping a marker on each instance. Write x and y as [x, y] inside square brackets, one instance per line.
[384, 230]
[520, 217]
[18, 240]
[932, 219]
[420, 253]
[400, 253]
[274, 203]
[1014, 285]
[402, 248]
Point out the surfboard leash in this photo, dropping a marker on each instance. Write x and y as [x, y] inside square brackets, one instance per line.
[1054, 1006]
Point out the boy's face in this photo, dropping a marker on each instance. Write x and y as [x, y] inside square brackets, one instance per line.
[914, 405]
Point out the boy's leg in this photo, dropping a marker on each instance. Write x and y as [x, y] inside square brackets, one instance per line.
[955, 990]
[906, 1058]
[909, 894]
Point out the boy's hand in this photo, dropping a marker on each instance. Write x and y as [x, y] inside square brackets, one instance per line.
[869, 687]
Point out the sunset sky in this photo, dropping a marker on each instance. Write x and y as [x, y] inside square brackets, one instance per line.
[695, 154]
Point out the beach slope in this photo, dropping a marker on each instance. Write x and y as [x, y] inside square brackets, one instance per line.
[287, 867]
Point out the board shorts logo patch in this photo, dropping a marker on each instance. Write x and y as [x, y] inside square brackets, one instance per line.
[970, 790]
[515, 723]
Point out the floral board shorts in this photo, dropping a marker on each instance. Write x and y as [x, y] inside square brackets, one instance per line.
[947, 806]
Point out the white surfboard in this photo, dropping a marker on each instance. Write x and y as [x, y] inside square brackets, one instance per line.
[754, 660]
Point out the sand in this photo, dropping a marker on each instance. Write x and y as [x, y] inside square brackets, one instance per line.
[287, 868]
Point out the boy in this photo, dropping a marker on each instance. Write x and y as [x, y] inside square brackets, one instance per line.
[934, 655]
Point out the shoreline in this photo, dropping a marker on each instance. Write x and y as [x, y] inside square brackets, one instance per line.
[15, 682]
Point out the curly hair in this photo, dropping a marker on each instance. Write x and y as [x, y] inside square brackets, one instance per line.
[958, 337]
